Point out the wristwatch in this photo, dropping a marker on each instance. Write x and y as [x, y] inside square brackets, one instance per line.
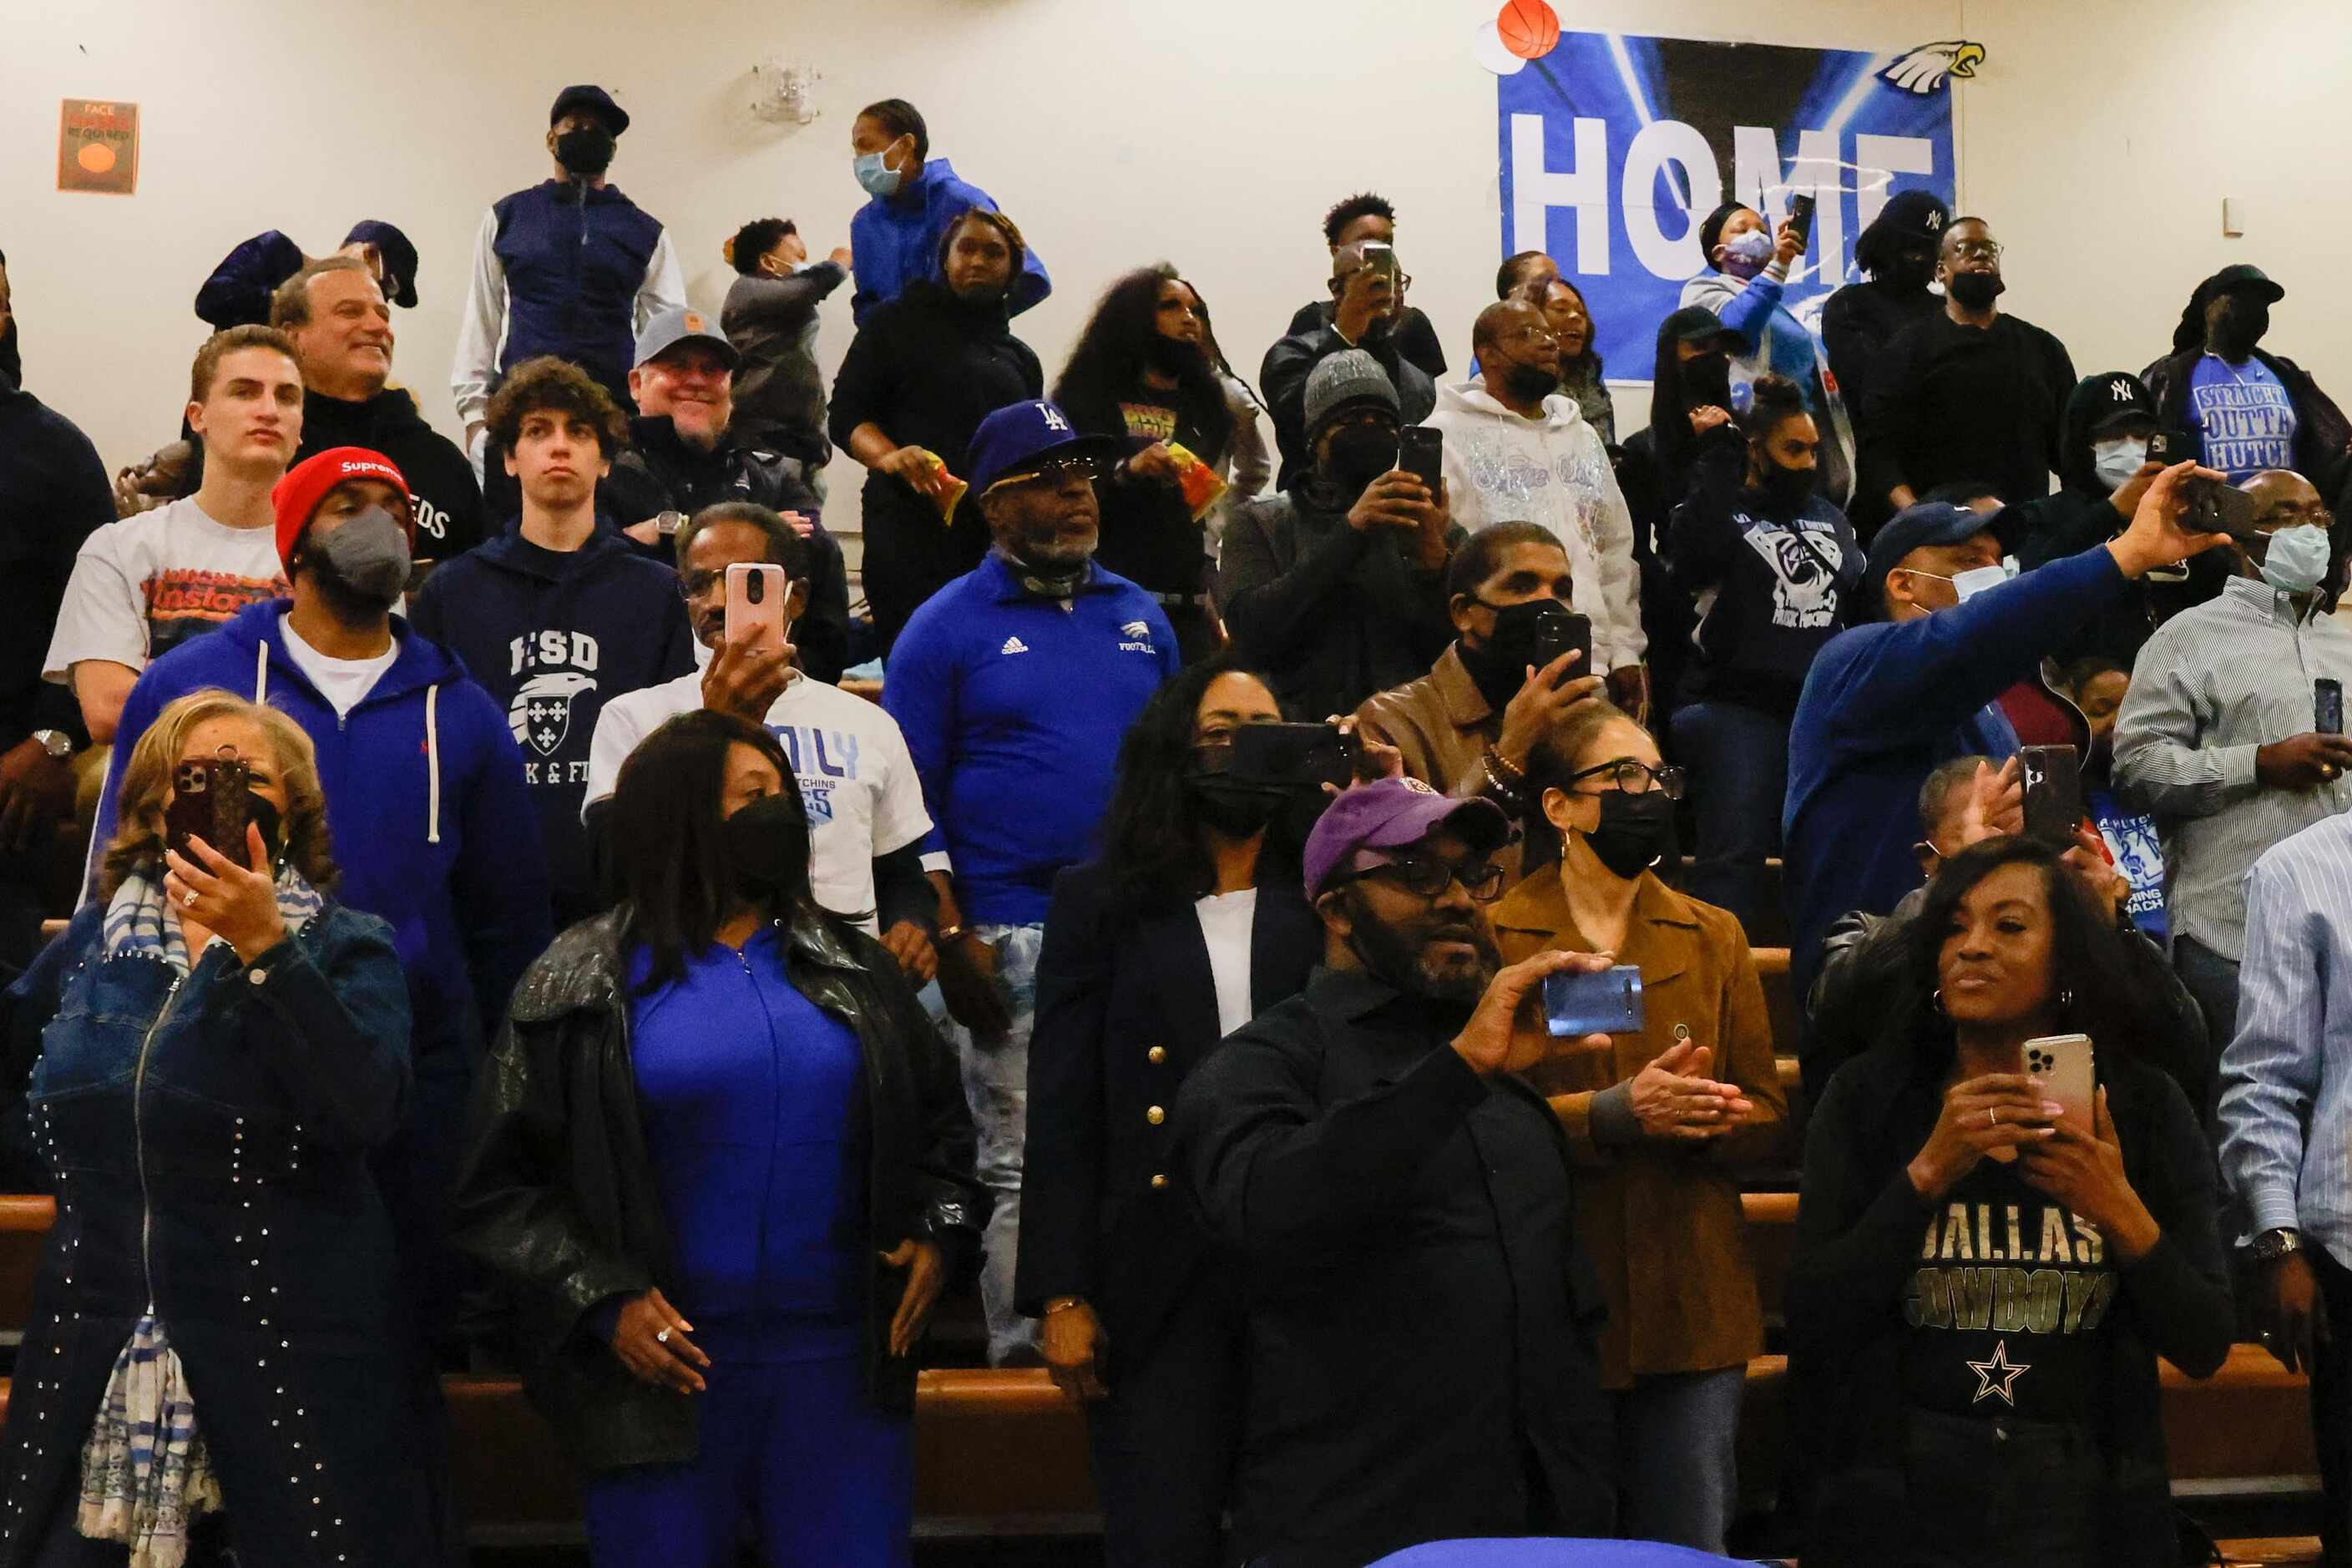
[667, 523]
[57, 743]
[2273, 1244]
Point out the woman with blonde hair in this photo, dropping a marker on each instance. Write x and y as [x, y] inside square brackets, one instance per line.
[213, 1370]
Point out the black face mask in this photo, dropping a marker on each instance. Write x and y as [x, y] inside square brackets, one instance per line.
[1499, 668]
[2237, 328]
[1174, 356]
[767, 845]
[1635, 832]
[1975, 289]
[1360, 454]
[1912, 271]
[1785, 491]
[1707, 380]
[1241, 809]
[584, 150]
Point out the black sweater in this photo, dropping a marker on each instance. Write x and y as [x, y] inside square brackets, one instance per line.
[1782, 587]
[53, 492]
[1967, 403]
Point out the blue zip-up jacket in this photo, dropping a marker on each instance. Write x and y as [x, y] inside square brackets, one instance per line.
[575, 256]
[896, 240]
[426, 804]
[1883, 706]
[553, 635]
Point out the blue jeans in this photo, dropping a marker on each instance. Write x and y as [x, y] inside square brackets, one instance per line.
[996, 1087]
[1677, 1447]
[1739, 761]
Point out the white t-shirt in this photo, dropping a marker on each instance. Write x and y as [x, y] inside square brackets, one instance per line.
[855, 775]
[343, 682]
[142, 586]
[1226, 921]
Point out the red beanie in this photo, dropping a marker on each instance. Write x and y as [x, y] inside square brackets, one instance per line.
[305, 484]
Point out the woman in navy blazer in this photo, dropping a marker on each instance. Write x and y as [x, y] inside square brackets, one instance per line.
[1191, 922]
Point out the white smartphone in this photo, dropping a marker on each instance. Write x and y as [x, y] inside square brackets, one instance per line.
[2061, 1065]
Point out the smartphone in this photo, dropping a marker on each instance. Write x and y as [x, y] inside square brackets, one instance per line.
[2170, 447]
[2061, 1068]
[1293, 754]
[1608, 1003]
[1421, 452]
[1559, 634]
[756, 591]
[2327, 706]
[1380, 258]
[211, 800]
[2053, 795]
[1801, 217]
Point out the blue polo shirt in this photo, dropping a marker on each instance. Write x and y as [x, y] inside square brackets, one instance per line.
[1014, 708]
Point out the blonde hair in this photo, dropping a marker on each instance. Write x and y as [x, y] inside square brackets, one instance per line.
[138, 845]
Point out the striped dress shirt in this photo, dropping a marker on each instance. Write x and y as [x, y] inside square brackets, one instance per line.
[2286, 1079]
[2214, 684]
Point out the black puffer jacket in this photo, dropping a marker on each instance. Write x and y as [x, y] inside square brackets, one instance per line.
[557, 1195]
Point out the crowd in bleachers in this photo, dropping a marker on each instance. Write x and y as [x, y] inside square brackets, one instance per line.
[1211, 885]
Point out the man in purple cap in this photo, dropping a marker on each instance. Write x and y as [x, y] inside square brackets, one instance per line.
[1422, 1363]
[1015, 685]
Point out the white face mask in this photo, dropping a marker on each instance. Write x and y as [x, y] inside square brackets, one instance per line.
[1974, 581]
[2117, 461]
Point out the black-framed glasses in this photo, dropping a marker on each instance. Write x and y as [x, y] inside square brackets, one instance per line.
[1054, 472]
[1428, 877]
[1633, 777]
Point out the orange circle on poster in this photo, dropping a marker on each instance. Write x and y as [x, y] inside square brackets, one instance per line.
[96, 157]
[1529, 28]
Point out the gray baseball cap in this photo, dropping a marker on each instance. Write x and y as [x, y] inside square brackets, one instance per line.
[684, 324]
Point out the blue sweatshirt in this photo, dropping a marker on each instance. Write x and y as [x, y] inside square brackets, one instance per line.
[1883, 706]
[426, 807]
[1014, 708]
[896, 239]
[553, 635]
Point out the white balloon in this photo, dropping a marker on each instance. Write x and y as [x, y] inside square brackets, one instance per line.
[1487, 49]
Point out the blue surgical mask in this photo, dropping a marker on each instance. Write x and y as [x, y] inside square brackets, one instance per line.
[2118, 461]
[878, 179]
[2296, 559]
[1745, 257]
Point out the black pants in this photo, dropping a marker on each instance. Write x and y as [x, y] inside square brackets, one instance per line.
[1164, 1441]
[1985, 1492]
[2331, 1411]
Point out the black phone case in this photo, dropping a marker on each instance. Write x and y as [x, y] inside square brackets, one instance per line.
[1557, 633]
[1293, 754]
[2053, 795]
[1421, 452]
[2327, 706]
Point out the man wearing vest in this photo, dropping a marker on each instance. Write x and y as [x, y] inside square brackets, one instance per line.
[569, 266]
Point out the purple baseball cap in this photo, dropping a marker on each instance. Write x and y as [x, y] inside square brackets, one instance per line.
[1389, 813]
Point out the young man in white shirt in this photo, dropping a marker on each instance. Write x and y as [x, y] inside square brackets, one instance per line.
[145, 584]
[867, 819]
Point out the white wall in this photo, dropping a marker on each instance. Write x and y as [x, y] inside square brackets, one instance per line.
[2099, 137]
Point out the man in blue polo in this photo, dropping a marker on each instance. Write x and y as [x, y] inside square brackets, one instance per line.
[1014, 685]
[569, 266]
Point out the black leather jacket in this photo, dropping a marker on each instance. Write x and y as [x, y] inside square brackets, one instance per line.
[557, 1195]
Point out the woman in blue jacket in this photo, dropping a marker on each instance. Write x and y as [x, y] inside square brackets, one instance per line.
[214, 1363]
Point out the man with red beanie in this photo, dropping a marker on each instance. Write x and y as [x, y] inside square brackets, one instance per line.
[432, 826]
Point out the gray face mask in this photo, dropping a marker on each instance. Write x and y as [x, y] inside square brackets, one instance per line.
[366, 559]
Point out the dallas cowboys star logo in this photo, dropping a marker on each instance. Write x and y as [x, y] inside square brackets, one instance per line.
[1997, 1378]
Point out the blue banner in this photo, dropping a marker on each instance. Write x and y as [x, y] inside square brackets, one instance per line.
[1615, 147]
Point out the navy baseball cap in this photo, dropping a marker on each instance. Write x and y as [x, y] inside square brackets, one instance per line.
[1389, 813]
[682, 325]
[1020, 436]
[1921, 527]
[399, 258]
[594, 100]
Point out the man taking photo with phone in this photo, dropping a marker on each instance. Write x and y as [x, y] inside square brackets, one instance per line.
[1367, 302]
[2217, 738]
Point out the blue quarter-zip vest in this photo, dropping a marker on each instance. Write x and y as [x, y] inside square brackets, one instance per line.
[575, 259]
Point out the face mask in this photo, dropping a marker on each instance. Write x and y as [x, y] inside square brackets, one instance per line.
[2296, 559]
[1745, 257]
[2117, 461]
[1912, 271]
[1785, 491]
[1361, 454]
[1635, 832]
[1975, 289]
[874, 176]
[1232, 806]
[1706, 381]
[1174, 356]
[366, 559]
[586, 150]
[2241, 325]
[1530, 382]
[767, 849]
[1517, 636]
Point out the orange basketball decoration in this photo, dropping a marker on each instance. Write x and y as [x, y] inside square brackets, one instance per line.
[1530, 28]
[96, 157]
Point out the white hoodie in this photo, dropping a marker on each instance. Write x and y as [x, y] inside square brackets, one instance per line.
[1500, 468]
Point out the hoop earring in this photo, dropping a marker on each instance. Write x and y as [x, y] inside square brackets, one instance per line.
[2066, 1001]
[1937, 999]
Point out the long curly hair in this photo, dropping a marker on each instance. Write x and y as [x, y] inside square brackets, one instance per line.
[146, 790]
[1112, 352]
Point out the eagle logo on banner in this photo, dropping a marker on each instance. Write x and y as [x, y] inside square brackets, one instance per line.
[541, 713]
[1930, 66]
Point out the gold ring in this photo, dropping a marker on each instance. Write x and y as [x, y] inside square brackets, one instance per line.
[190, 902]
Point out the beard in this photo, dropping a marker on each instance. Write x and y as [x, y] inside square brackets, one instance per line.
[1405, 954]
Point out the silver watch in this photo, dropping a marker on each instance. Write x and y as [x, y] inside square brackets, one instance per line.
[667, 523]
[2273, 1244]
[57, 743]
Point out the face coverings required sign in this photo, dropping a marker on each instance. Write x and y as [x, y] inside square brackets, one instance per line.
[1615, 148]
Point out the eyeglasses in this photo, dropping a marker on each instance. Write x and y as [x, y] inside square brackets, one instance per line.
[1428, 877]
[1633, 777]
[1532, 334]
[1977, 250]
[1054, 472]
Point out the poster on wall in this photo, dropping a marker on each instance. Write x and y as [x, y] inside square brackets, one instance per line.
[1615, 147]
[98, 147]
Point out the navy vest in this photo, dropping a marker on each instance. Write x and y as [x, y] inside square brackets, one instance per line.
[575, 261]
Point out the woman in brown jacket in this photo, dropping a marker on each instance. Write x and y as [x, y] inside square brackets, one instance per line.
[1661, 1125]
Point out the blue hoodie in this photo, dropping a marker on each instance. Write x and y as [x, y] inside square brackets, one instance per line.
[426, 805]
[896, 239]
[1883, 706]
[553, 635]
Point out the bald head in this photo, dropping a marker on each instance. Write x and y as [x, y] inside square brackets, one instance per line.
[2283, 490]
[1503, 322]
